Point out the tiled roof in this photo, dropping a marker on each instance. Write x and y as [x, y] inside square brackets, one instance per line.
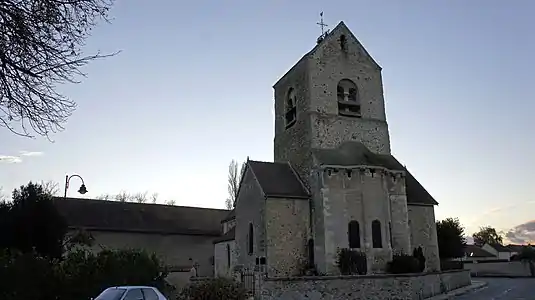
[278, 179]
[140, 217]
[355, 153]
[476, 251]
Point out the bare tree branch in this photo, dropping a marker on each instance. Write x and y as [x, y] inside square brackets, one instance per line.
[41, 45]
[139, 197]
[50, 187]
[234, 178]
[154, 197]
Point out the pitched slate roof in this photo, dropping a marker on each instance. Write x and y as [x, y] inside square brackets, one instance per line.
[354, 153]
[278, 179]
[140, 217]
[476, 251]
[499, 247]
[228, 236]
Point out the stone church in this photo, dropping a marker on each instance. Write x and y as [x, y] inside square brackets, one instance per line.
[334, 182]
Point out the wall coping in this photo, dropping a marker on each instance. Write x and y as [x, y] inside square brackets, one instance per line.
[349, 277]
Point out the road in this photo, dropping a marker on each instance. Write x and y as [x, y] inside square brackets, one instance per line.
[503, 289]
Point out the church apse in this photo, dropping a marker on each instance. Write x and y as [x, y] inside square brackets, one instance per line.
[353, 185]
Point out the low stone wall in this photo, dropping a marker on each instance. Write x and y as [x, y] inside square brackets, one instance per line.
[510, 268]
[406, 286]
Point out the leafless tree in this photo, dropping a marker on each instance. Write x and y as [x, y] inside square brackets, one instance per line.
[234, 178]
[3, 196]
[139, 197]
[154, 197]
[50, 187]
[122, 197]
[105, 197]
[170, 202]
[41, 45]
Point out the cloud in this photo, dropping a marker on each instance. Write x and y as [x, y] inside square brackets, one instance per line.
[522, 234]
[8, 159]
[31, 153]
[11, 159]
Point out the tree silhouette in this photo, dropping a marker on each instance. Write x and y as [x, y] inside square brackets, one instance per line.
[488, 235]
[31, 222]
[451, 240]
[41, 45]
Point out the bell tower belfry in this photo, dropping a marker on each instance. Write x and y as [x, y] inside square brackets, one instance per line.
[333, 94]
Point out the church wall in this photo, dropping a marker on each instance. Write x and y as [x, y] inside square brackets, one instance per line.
[293, 144]
[424, 234]
[174, 250]
[328, 66]
[399, 213]
[361, 197]
[287, 234]
[228, 225]
[250, 207]
[222, 267]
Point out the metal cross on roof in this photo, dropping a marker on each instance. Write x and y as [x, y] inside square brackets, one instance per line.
[322, 24]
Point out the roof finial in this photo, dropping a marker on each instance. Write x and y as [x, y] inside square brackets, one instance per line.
[323, 26]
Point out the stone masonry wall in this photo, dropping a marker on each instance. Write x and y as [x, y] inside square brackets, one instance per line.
[401, 287]
[222, 267]
[327, 67]
[399, 213]
[363, 197]
[250, 207]
[287, 233]
[424, 234]
[293, 144]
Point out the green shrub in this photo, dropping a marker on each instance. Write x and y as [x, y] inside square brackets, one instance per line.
[447, 265]
[351, 262]
[214, 289]
[418, 253]
[403, 263]
[26, 276]
[79, 275]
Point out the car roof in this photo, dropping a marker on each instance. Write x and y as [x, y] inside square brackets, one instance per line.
[131, 287]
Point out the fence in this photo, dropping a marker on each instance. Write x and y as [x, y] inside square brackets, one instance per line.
[248, 280]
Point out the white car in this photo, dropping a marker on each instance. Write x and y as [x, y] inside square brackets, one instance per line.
[131, 293]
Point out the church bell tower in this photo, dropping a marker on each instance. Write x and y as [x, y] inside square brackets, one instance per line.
[332, 95]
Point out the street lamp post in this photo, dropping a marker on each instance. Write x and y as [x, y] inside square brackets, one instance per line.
[82, 190]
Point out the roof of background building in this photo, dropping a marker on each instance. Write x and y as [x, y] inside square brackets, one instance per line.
[476, 251]
[106, 215]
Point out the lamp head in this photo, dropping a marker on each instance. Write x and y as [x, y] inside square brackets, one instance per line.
[82, 189]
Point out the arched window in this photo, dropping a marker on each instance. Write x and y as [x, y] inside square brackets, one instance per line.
[377, 239]
[343, 42]
[353, 233]
[290, 108]
[228, 255]
[348, 98]
[251, 239]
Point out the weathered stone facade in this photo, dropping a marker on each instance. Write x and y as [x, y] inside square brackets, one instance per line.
[424, 234]
[363, 195]
[410, 286]
[331, 131]
[287, 233]
[224, 258]
[250, 211]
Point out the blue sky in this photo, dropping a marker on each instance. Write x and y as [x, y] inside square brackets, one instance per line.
[192, 89]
